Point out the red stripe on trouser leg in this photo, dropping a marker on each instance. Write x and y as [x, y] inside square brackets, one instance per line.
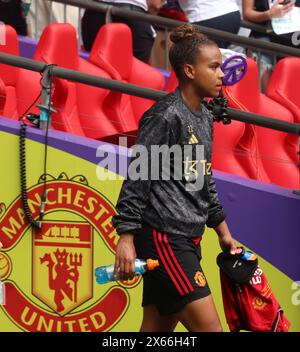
[165, 263]
[171, 266]
[179, 268]
[196, 240]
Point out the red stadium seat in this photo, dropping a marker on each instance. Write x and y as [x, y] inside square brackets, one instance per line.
[18, 88]
[112, 51]
[277, 159]
[9, 75]
[284, 88]
[2, 97]
[227, 153]
[95, 111]
[284, 85]
[172, 82]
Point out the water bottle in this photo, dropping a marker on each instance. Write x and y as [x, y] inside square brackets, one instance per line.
[105, 274]
[247, 255]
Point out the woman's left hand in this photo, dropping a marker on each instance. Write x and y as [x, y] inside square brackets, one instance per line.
[226, 241]
[228, 244]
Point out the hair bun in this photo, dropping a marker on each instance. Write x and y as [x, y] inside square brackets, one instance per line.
[187, 43]
[185, 31]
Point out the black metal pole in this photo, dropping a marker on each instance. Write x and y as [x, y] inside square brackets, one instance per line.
[22, 62]
[107, 83]
[264, 121]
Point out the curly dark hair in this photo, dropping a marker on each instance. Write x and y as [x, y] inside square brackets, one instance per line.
[187, 42]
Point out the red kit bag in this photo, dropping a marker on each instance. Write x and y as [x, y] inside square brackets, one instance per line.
[248, 300]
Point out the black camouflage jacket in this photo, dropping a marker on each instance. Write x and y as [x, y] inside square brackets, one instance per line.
[172, 206]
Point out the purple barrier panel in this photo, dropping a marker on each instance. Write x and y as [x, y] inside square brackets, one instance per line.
[27, 46]
[85, 148]
[265, 218]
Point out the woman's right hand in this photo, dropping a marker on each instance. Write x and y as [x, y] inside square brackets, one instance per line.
[125, 257]
[278, 10]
